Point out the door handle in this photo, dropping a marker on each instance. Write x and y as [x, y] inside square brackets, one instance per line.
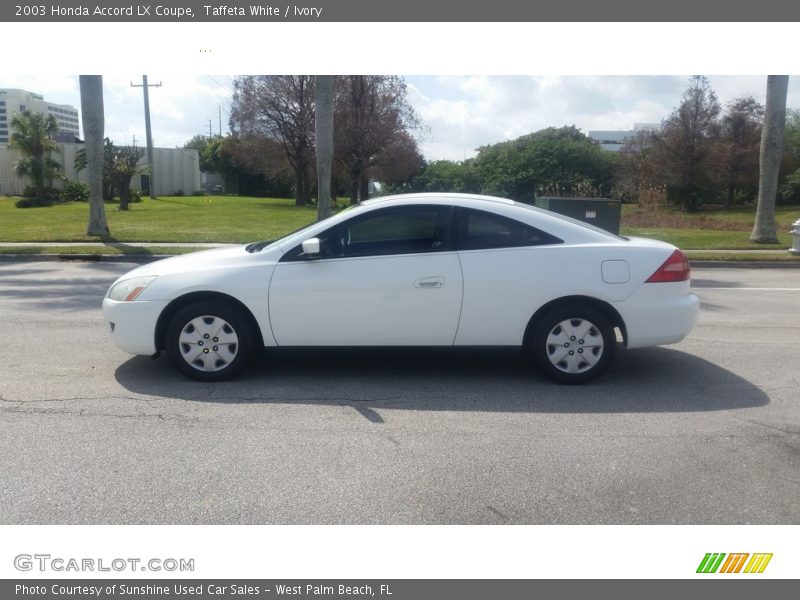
[429, 282]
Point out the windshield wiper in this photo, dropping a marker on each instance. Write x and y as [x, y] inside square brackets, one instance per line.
[258, 246]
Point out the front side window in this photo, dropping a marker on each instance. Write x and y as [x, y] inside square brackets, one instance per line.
[395, 230]
[480, 230]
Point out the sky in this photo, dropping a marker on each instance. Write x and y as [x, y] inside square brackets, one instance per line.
[458, 113]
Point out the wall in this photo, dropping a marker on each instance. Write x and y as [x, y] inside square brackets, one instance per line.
[176, 170]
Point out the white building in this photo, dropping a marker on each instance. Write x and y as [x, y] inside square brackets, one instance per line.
[175, 170]
[615, 140]
[16, 101]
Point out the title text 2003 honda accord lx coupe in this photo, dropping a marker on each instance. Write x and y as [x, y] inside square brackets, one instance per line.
[413, 270]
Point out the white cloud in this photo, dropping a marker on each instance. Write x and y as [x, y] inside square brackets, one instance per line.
[460, 113]
[179, 109]
[464, 113]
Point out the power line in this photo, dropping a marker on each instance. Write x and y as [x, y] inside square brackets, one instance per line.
[227, 88]
[221, 86]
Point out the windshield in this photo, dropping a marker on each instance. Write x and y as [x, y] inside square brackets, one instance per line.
[258, 246]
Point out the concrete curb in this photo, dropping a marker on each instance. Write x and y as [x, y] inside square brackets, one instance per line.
[148, 258]
[112, 258]
[744, 264]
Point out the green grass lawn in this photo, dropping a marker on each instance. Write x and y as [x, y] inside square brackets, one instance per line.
[168, 219]
[738, 216]
[711, 229]
[779, 256]
[104, 250]
[245, 219]
[703, 239]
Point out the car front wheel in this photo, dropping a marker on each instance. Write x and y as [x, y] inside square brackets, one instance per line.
[209, 341]
[573, 344]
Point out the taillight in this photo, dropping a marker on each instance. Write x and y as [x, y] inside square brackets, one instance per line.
[675, 268]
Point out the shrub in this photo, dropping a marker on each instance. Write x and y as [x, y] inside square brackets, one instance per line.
[789, 192]
[50, 194]
[75, 191]
[134, 196]
[33, 202]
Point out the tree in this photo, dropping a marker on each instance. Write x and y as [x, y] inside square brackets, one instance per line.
[202, 143]
[323, 129]
[637, 166]
[441, 176]
[33, 138]
[789, 189]
[764, 230]
[255, 165]
[93, 130]
[688, 140]
[400, 159]
[109, 152]
[219, 155]
[372, 111]
[280, 108]
[552, 161]
[740, 134]
[791, 138]
[124, 166]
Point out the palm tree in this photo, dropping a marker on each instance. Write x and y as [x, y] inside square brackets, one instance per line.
[93, 116]
[764, 230]
[323, 116]
[33, 138]
[124, 167]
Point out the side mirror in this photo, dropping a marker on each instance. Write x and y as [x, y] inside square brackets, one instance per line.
[311, 248]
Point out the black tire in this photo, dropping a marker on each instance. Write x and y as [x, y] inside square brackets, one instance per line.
[582, 357]
[215, 354]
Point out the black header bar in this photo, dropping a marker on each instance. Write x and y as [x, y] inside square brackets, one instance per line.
[416, 11]
[392, 589]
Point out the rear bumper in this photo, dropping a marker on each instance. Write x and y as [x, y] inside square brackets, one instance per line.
[655, 315]
[134, 324]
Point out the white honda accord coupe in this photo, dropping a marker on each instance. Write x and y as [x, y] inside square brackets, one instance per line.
[450, 270]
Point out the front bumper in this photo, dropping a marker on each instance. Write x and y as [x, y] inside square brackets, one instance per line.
[134, 324]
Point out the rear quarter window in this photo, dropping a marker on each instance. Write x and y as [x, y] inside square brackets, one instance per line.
[483, 230]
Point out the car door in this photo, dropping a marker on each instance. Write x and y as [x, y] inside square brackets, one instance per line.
[386, 278]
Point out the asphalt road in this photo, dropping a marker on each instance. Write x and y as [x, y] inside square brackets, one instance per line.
[706, 431]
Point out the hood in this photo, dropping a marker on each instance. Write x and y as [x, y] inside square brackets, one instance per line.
[206, 261]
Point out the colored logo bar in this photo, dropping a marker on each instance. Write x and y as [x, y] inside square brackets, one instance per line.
[717, 562]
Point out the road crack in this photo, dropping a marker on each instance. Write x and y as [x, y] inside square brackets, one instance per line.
[767, 426]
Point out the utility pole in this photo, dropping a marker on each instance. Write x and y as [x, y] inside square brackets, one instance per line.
[148, 131]
[219, 107]
[210, 133]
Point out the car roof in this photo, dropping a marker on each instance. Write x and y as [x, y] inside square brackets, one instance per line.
[439, 196]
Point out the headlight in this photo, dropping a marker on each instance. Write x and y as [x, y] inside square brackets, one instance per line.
[129, 289]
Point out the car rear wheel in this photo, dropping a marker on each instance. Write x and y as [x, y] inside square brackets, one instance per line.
[209, 341]
[573, 344]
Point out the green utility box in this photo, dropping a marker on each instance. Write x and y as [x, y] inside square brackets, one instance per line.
[600, 212]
